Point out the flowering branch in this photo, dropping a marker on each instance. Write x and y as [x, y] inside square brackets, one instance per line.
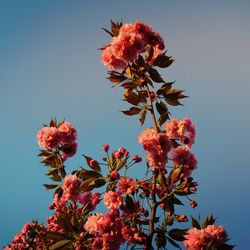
[133, 205]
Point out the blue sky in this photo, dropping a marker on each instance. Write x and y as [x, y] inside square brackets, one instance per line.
[50, 67]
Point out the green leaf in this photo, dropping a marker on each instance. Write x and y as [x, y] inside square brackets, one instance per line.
[195, 223]
[56, 178]
[131, 97]
[149, 53]
[155, 76]
[208, 221]
[115, 78]
[163, 61]
[173, 243]
[168, 221]
[96, 167]
[50, 186]
[161, 107]
[163, 118]
[174, 174]
[143, 115]
[60, 244]
[132, 111]
[86, 174]
[52, 171]
[177, 234]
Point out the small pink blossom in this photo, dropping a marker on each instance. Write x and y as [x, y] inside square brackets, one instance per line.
[183, 130]
[196, 239]
[126, 185]
[112, 200]
[157, 146]
[48, 138]
[92, 199]
[183, 157]
[71, 188]
[217, 233]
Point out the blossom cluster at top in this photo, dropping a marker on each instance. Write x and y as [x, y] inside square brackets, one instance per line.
[201, 239]
[130, 42]
[158, 145]
[62, 137]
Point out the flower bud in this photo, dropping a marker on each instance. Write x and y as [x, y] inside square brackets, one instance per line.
[105, 147]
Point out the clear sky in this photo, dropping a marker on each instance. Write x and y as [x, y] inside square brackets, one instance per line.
[50, 67]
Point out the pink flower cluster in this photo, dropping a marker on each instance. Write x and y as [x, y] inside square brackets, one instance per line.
[29, 238]
[92, 199]
[71, 188]
[183, 130]
[64, 137]
[107, 229]
[181, 156]
[157, 146]
[212, 236]
[131, 41]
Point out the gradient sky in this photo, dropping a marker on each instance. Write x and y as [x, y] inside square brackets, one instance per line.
[50, 67]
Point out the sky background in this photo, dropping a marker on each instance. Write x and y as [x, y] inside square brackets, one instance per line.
[50, 67]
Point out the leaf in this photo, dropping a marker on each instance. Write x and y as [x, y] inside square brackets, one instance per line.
[173, 243]
[95, 167]
[119, 164]
[163, 118]
[149, 53]
[163, 61]
[143, 115]
[161, 240]
[173, 102]
[129, 202]
[52, 171]
[53, 123]
[168, 221]
[195, 223]
[56, 178]
[86, 174]
[173, 93]
[132, 111]
[177, 201]
[177, 234]
[161, 107]
[174, 174]
[128, 85]
[107, 31]
[128, 71]
[115, 78]
[208, 221]
[155, 76]
[165, 88]
[60, 244]
[50, 186]
[226, 247]
[131, 97]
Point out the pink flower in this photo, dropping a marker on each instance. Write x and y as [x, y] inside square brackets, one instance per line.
[131, 41]
[181, 156]
[126, 185]
[133, 235]
[48, 138]
[196, 239]
[71, 188]
[68, 133]
[212, 236]
[112, 200]
[217, 233]
[92, 199]
[96, 223]
[157, 146]
[69, 150]
[183, 130]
